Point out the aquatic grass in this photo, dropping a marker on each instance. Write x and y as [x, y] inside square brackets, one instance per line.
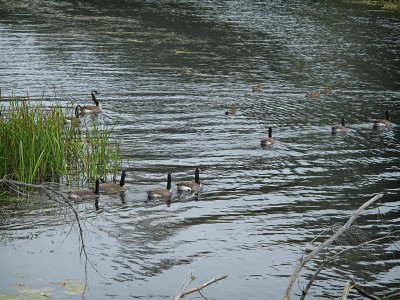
[385, 4]
[393, 5]
[37, 146]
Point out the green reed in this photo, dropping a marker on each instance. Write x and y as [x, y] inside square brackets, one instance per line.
[37, 146]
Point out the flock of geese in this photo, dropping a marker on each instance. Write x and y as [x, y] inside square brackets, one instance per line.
[188, 187]
[194, 186]
[339, 128]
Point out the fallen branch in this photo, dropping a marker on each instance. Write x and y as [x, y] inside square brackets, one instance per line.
[61, 199]
[363, 292]
[346, 290]
[200, 287]
[332, 258]
[328, 242]
[189, 277]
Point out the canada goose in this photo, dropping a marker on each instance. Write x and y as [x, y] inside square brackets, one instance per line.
[111, 187]
[76, 119]
[257, 88]
[382, 122]
[313, 94]
[339, 128]
[191, 186]
[327, 91]
[92, 109]
[231, 109]
[268, 141]
[86, 194]
[161, 192]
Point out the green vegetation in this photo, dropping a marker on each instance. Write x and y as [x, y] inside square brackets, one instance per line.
[37, 146]
[395, 4]
[386, 4]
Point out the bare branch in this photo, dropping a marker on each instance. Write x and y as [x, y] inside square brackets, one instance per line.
[363, 292]
[328, 242]
[346, 290]
[61, 199]
[200, 287]
[332, 258]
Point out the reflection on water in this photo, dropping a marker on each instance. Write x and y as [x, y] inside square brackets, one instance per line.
[167, 73]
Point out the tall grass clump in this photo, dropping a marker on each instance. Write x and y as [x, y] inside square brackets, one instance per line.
[36, 146]
[385, 4]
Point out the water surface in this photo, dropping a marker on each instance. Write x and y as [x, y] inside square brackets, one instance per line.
[166, 72]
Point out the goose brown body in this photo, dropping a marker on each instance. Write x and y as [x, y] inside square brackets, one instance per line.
[231, 109]
[92, 109]
[112, 187]
[75, 120]
[383, 122]
[257, 88]
[191, 186]
[268, 141]
[340, 128]
[161, 192]
[313, 95]
[86, 194]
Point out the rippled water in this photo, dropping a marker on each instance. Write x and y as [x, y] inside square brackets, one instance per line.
[166, 72]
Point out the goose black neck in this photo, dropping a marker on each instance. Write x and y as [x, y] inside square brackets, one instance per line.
[169, 182]
[94, 99]
[96, 191]
[96, 203]
[387, 115]
[197, 176]
[343, 122]
[122, 181]
[270, 132]
[77, 111]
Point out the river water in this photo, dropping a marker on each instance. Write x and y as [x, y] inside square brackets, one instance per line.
[166, 71]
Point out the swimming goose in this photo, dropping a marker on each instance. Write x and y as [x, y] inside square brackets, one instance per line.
[86, 194]
[75, 119]
[111, 187]
[92, 109]
[382, 122]
[257, 88]
[313, 94]
[268, 141]
[231, 109]
[191, 186]
[161, 192]
[339, 128]
[327, 91]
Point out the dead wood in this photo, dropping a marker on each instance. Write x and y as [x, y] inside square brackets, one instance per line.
[325, 244]
[61, 199]
[200, 287]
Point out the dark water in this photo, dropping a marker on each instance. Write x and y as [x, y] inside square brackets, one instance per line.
[166, 72]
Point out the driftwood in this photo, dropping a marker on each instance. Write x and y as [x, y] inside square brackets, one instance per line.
[61, 199]
[183, 289]
[363, 292]
[351, 284]
[200, 287]
[325, 244]
[346, 290]
[328, 260]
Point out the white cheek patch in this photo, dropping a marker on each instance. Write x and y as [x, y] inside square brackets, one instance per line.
[184, 188]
